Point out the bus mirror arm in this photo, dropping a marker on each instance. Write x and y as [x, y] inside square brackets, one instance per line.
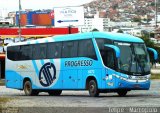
[154, 52]
[115, 48]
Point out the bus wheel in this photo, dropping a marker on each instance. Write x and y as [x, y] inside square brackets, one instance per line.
[55, 92]
[122, 93]
[93, 90]
[28, 89]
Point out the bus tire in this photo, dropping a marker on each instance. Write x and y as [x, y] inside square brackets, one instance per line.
[55, 92]
[28, 89]
[93, 90]
[122, 93]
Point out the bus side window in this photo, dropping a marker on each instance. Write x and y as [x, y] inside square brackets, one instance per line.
[54, 50]
[109, 58]
[43, 51]
[101, 42]
[13, 52]
[106, 53]
[86, 49]
[69, 49]
[25, 52]
[39, 51]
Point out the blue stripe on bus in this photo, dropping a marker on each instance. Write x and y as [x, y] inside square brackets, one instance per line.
[51, 60]
[34, 64]
[48, 78]
[42, 62]
[35, 67]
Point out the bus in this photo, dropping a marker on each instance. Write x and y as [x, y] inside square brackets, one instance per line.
[99, 62]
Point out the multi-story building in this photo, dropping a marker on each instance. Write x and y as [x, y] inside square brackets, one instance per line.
[104, 24]
[101, 24]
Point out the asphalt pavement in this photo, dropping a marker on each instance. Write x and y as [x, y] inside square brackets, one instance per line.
[80, 101]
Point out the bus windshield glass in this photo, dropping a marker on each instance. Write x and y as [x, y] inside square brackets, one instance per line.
[134, 59]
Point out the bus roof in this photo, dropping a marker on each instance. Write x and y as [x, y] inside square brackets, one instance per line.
[87, 35]
[107, 35]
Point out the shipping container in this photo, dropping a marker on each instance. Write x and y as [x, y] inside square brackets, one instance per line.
[29, 17]
[38, 18]
[23, 18]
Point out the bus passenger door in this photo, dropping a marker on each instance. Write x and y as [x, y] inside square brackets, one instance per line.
[70, 79]
[110, 80]
[109, 62]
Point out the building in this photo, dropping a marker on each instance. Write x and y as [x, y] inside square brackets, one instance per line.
[101, 24]
[104, 24]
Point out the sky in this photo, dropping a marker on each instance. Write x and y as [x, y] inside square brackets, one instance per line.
[12, 5]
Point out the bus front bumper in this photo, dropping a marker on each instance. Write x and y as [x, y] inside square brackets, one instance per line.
[132, 84]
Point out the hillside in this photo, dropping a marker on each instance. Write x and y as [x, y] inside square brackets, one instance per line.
[119, 10]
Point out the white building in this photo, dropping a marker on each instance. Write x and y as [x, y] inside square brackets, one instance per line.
[104, 24]
[123, 24]
[101, 24]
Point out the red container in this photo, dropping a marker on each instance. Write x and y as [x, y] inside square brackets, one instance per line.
[23, 19]
[41, 19]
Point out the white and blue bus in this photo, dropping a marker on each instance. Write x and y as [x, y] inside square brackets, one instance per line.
[98, 62]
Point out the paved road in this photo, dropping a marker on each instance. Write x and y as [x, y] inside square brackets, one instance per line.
[82, 99]
[150, 98]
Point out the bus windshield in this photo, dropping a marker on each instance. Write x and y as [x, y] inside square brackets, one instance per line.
[134, 59]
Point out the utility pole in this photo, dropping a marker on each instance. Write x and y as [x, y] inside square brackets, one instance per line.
[19, 20]
[69, 29]
[155, 13]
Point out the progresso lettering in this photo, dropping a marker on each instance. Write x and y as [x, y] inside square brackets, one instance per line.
[78, 63]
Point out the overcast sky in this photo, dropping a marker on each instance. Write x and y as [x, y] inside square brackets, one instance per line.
[12, 5]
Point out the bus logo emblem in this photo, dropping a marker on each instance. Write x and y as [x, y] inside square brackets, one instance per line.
[47, 74]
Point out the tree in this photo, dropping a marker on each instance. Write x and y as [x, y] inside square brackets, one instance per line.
[147, 41]
[120, 31]
[151, 44]
[136, 20]
[95, 29]
[152, 4]
[147, 20]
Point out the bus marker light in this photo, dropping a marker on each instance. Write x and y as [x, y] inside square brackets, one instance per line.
[110, 77]
[110, 83]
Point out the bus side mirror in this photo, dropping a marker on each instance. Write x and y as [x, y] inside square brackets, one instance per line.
[116, 49]
[154, 52]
